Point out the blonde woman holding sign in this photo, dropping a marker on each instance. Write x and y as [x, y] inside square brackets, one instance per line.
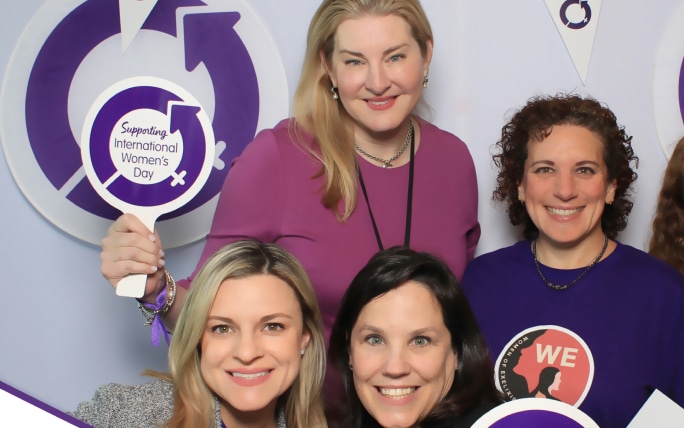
[354, 171]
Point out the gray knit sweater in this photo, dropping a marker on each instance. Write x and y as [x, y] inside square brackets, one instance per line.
[136, 406]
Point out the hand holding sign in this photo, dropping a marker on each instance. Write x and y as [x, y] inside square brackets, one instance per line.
[147, 149]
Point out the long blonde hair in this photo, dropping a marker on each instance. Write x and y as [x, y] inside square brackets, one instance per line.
[193, 400]
[326, 119]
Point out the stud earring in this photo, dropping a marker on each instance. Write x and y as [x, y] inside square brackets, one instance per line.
[335, 95]
[301, 352]
[425, 82]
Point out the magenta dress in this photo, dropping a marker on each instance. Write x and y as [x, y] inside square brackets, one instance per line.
[269, 194]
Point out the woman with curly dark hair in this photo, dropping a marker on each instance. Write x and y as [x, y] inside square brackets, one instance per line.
[608, 315]
[667, 242]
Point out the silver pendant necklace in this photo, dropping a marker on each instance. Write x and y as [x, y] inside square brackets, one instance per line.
[388, 163]
[560, 287]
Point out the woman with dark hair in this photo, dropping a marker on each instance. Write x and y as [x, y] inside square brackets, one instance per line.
[611, 315]
[667, 242]
[549, 381]
[408, 347]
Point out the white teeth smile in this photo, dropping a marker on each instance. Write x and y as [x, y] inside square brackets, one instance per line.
[563, 213]
[250, 375]
[397, 393]
[379, 103]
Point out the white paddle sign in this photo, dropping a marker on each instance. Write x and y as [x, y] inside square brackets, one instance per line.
[147, 148]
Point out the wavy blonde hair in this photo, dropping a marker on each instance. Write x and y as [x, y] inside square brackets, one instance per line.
[193, 400]
[667, 242]
[326, 119]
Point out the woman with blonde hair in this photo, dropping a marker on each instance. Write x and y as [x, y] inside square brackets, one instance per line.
[248, 351]
[354, 171]
[667, 242]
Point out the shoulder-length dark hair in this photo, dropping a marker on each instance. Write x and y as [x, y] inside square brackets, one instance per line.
[667, 242]
[536, 121]
[388, 270]
[547, 377]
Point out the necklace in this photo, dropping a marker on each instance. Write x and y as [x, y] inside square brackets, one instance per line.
[409, 199]
[566, 286]
[388, 163]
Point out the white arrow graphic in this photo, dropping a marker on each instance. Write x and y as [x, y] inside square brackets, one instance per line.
[132, 15]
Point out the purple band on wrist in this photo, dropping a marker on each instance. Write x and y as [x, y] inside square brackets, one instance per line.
[157, 326]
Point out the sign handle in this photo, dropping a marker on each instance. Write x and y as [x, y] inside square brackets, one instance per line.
[133, 285]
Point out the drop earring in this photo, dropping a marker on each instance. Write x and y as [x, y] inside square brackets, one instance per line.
[425, 82]
[335, 95]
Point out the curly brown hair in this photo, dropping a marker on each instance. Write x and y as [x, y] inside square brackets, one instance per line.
[536, 120]
[667, 242]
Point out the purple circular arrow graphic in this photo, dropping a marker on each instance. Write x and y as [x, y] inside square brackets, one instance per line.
[220, 48]
[210, 38]
[575, 25]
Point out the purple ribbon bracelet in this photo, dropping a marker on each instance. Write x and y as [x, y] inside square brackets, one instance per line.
[157, 325]
[154, 312]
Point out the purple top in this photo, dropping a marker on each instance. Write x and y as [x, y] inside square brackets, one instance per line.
[625, 315]
[270, 195]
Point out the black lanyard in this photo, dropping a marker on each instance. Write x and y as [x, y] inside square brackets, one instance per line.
[409, 203]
